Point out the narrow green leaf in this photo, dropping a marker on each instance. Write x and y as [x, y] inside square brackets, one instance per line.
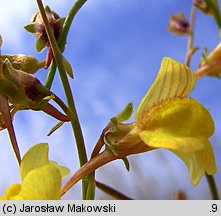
[61, 20]
[126, 113]
[57, 126]
[40, 45]
[47, 9]
[126, 163]
[30, 27]
[68, 67]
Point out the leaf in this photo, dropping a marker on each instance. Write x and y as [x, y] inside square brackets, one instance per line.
[40, 45]
[61, 20]
[126, 113]
[31, 27]
[68, 67]
[126, 163]
[56, 127]
[174, 80]
[35, 157]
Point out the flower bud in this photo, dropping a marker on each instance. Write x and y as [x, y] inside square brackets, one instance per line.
[29, 64]
[25, 91]
[19, 87]
[205, 7]
[178, 25]
[37, 27]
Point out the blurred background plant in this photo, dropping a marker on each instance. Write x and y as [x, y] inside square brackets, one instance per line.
[115, 50]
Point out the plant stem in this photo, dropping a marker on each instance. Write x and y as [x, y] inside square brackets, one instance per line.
[112, 192]
[71, 105]
[62, 38]
[212, 186]
[216, 12]
[190, 48]
[50, 75]
[68, 21]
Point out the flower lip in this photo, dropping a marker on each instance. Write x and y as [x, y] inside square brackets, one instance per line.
[174, 80]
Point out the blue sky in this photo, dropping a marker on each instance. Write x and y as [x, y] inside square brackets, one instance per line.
[115, 47]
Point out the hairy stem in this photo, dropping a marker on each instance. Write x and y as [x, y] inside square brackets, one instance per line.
[71, 105]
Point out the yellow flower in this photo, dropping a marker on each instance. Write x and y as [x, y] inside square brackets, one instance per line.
[211, 65]
[41, 178]
[167, 119]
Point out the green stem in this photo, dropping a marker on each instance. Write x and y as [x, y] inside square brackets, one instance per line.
[50, 75]
[71, 105]
[68, 21]
[190, 48]
[212, 186]
[62, 39]
[91, 187]
[216, 11]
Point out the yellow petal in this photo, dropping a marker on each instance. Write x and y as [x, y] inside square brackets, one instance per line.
[211, 64]
[183, 125]
[13, 190]
[42, 183]
[199, 162]
[174, 80]
[64, 171]
[36, 156]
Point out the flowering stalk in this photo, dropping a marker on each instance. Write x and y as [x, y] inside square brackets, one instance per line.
[190, 48]
[62, 38]
[71, 105]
